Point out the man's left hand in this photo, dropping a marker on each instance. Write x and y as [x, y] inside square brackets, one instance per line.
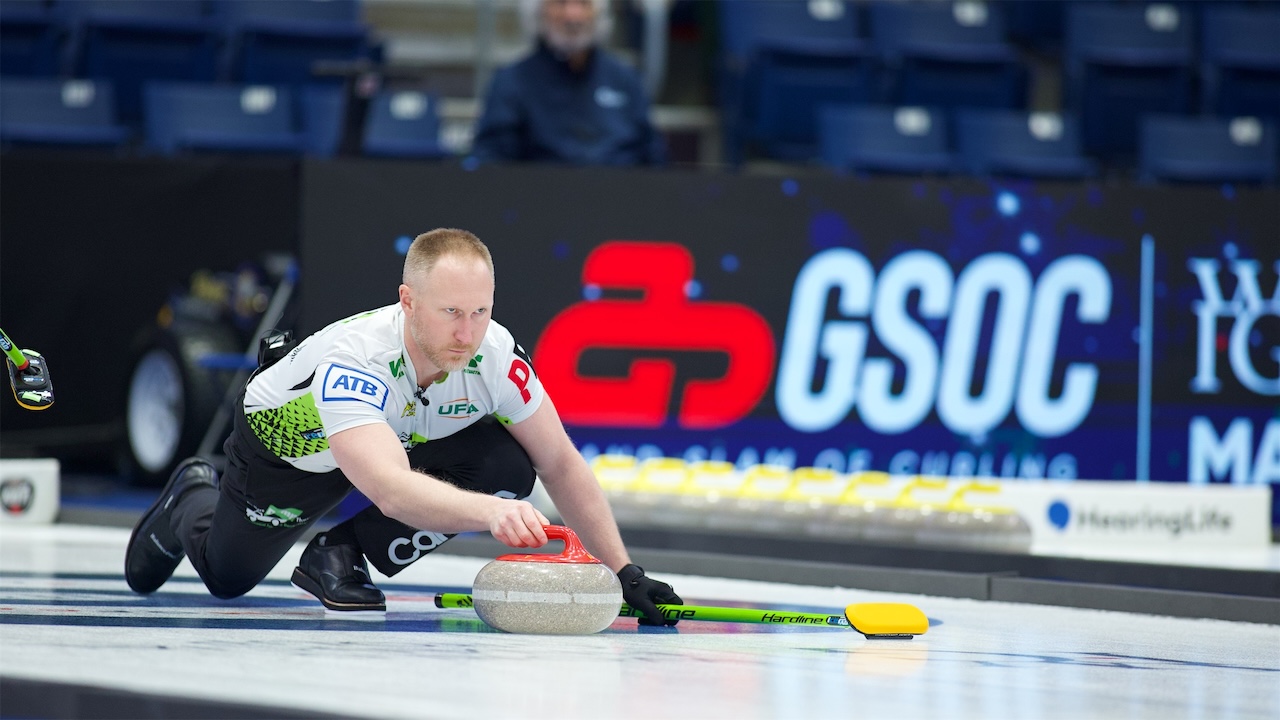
[645, 594]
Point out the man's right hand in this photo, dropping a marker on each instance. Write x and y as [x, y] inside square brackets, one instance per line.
[517, 523]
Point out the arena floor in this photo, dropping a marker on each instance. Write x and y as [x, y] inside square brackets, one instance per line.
[75, 642]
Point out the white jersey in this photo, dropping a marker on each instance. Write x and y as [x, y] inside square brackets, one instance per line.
[357, 372]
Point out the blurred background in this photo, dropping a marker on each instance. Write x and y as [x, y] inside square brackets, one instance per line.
[989, 275]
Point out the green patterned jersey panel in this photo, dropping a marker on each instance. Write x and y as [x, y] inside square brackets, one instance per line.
[292, 430]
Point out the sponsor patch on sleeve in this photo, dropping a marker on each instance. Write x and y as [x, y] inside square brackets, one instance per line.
[519, 374]
[343, 383]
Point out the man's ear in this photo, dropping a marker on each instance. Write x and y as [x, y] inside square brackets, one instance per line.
[406, 297]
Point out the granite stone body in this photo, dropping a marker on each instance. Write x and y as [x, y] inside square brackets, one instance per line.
[547, 598]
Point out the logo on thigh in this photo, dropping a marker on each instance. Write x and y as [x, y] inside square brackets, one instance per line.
[404, 550]
[275, 516]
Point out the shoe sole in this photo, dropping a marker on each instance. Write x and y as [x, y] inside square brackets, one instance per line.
[306, 584]
[148, 516]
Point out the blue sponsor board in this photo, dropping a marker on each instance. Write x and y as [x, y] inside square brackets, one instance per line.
[957, 327]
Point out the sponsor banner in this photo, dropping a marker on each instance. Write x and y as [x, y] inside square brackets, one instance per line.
[30, 491]
[958, 327]
[1128, 514]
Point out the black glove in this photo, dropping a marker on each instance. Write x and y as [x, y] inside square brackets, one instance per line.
[645, 594]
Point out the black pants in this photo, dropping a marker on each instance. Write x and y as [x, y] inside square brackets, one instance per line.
[236, 535]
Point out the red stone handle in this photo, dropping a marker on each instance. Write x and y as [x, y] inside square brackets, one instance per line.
[573, 552]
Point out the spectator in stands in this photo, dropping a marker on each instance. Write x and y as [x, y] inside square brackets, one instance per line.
[570, 101]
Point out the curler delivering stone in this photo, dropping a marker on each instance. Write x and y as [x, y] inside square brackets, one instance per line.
[572, 593]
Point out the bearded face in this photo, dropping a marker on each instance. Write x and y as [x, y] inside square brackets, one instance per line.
[447, 312]
[569, 26]
[445, 355]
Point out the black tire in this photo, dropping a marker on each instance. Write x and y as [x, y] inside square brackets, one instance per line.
[171, 398]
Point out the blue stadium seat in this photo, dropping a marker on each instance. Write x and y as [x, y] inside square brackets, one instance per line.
[1178, 148]
[132, 42]
[30, 39]
[59, 112]
[324, 115]
[222, 118]
[1124, 61]
[1012, 142]
[1240, 61]
[787, 88]
[282, 41]
[403, 123]
[948, 54]
[1037, 24]
[745, 26]
[289, 13]
[876, 138]
[781, 60]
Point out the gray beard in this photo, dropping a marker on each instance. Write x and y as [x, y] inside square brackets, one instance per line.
[442, 361]
[437, 357]
[569, 44]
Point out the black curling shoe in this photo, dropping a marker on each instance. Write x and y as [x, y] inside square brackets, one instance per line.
[153, 552]
[338, 576]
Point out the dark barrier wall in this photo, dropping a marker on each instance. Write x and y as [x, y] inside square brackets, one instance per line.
[92, 247]
[957, 326]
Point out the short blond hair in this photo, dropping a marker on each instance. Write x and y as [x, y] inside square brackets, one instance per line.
[429, 247]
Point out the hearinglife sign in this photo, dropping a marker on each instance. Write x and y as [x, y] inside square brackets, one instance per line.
[954, 327]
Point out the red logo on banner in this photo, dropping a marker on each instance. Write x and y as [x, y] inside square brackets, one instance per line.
[663, 318]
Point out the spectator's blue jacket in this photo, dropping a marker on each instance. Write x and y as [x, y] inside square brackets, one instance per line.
[539, 109]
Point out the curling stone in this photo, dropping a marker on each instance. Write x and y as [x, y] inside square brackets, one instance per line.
[979, 526]
[758, 503]
[618, 476]
[659, 489]
[572, 593]
[813, 491]
[848, 517]
[710, 484]
[907, 515]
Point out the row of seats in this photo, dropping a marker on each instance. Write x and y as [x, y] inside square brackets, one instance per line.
[312, 120]
[872, 138]
[130, 42]
[783, 59]
[194, 117]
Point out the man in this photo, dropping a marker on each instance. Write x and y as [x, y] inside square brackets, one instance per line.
[569, 101]
[426, 406]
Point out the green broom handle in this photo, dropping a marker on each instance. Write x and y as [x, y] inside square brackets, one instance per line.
[15, 355]
[697, 612]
